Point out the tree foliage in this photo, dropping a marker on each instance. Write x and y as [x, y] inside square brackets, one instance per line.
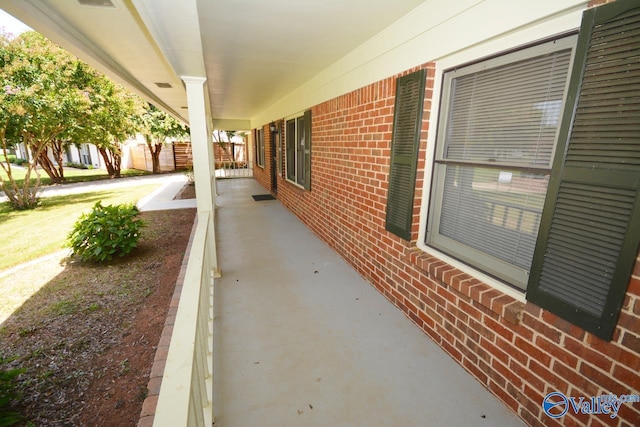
[223, 139]
[49, 100]
[111, 119]
[36, 104]
[158, 126]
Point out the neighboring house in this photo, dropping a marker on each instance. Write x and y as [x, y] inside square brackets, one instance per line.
[175, 155]
[84, 154]
[21, 152]
[492, 195]
[80, 154]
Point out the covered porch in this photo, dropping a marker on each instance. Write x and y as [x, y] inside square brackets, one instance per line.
[293, 336]
[301, 339]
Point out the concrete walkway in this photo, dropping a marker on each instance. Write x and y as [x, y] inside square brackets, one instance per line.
[300, 339]
[160, 199]
[163, 197]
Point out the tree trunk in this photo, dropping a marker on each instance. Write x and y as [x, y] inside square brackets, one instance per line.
[25, 196]
[112, 161]
[58, 152]
[54, 173]
[117, 165]
[155, 149]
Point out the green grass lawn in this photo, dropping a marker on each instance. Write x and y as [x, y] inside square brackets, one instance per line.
[30, 234]
[70, 175]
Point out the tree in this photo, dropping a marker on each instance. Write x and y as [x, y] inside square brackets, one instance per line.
[37, 106]
[111, 118]
[223, 139]
[52, 99]
[158, 126]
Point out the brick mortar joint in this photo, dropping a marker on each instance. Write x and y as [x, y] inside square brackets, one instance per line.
[507, 308]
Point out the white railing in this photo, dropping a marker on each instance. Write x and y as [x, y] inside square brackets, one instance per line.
[229, 169]
[186, 393]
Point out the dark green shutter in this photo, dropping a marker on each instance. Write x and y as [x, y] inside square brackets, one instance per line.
[307, 150]
[290, 145]
[590, 229]
[261, 139]
[407, 122]
[256, 145]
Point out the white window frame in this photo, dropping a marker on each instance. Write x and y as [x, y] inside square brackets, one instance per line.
[547, 30]
[295, 118]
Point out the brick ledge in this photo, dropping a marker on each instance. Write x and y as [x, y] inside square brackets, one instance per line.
[466, 286]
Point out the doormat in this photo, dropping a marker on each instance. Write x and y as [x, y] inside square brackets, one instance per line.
[261, 197]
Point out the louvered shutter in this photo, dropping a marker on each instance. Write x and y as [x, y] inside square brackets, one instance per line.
[259, 136]
[407, 122]
[254, 134]
[307, 150]
[290, 145]
[278, 138]
[590, 229]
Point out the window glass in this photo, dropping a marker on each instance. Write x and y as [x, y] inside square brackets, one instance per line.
[296, 142]
[495, 146]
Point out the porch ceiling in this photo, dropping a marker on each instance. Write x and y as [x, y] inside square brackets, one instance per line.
[253, 52]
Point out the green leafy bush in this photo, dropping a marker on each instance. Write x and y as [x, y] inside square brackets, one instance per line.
[105, 232]
[75, 165]
[12, 158]
[8, 392]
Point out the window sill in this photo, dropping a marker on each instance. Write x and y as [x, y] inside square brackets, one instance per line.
[468, 287]
[295, 184]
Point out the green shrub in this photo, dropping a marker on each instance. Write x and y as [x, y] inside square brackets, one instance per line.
[8, 393]
[75, 165]
[105, 232]
[191, 178]
[10, 157]
[20, 161]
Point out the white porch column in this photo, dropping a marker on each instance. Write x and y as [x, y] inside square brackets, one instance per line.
[203, 159]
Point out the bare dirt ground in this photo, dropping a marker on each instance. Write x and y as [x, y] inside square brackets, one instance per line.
[89, 336]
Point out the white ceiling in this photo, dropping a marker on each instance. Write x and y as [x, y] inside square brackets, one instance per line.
[253, 52]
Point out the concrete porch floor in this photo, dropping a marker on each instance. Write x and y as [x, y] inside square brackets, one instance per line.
[300, 339]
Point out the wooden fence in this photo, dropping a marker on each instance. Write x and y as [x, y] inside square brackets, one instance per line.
[173, 157]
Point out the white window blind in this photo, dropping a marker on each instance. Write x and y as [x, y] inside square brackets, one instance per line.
[508, 115]
[496, 142]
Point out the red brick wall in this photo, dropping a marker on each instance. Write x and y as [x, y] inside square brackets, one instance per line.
[518, 351]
